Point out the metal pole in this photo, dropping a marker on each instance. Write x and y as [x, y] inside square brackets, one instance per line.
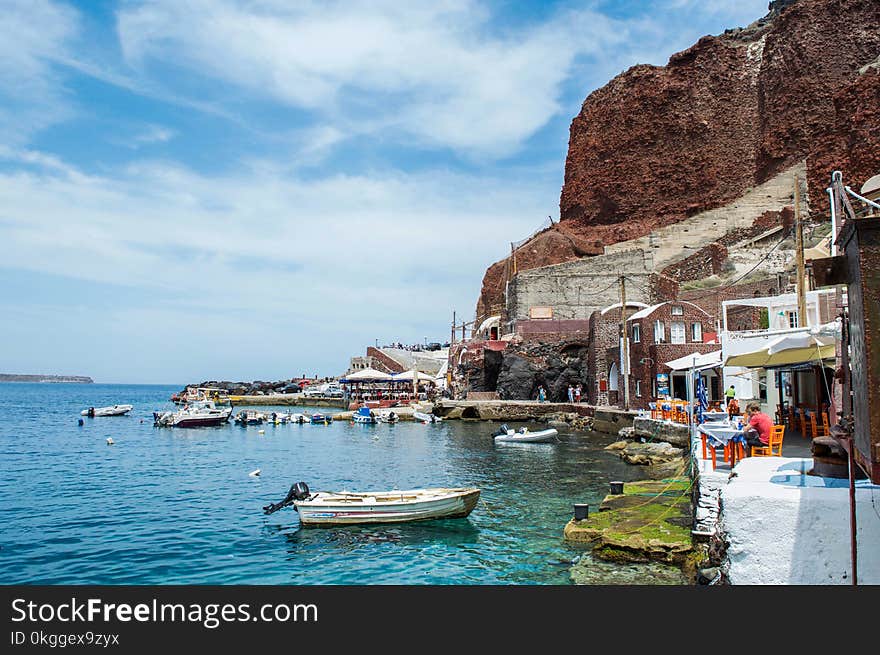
[624, 364]
[799, 235]
[452, 341]
[846, 414]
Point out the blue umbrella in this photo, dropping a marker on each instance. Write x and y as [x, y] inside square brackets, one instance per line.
[703, 400]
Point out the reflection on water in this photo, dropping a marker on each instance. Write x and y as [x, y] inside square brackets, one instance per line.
[179, 506]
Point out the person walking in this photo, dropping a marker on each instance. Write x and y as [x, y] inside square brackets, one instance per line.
[577, 394]
[570, 394]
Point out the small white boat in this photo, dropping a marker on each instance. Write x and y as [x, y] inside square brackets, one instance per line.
[345, 508]
[387, 417]
[426, 418]
[364, 415]
[524, 435]
[115, 410]
[299, 418]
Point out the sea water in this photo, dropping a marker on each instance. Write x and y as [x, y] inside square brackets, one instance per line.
[179, 506]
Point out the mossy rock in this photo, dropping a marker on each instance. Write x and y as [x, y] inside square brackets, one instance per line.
[650, 522]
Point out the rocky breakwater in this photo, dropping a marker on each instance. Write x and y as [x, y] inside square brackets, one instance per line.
[725, 115]
[255, 388]
[661, 447]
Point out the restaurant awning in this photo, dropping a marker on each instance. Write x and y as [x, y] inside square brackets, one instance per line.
[368, 375]
[787, 350]
[407, 376]
[696, 361]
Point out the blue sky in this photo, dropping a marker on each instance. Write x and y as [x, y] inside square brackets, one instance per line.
[256, 189]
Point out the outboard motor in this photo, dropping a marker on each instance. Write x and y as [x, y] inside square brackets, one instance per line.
[91, 413]
[501, 431]
[299, 491]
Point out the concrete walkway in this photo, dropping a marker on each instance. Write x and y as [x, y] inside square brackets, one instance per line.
[784, 526]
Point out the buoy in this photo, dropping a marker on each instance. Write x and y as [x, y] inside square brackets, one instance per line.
[79, 421]
[110, 441]
[254, 473]
[261, 432]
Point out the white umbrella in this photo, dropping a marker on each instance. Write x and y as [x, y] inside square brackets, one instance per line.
[410, 374]
[367, 375]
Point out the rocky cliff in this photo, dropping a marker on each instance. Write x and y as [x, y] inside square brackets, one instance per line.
[659, 144]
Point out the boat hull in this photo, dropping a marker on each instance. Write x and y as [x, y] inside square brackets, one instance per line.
[386, 507]
[116, 410]
[200, 422]
[544, 436]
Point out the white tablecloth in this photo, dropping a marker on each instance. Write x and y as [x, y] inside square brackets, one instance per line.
[720, 433]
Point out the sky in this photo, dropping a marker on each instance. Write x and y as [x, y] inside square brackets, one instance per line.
[260, 189]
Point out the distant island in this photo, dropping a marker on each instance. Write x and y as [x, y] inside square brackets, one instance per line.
[79, 379]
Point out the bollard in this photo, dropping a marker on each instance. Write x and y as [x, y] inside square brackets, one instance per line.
[581, 512]
[616, 488]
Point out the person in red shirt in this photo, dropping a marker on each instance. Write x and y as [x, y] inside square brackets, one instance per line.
[757, 433]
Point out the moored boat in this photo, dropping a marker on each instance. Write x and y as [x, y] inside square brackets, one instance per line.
[249, 417]
[524, 435]
[320, 418]
[348, 508]
[113, 410]
[364, 415]
[387, 417]
[201, 414]
[426, 418]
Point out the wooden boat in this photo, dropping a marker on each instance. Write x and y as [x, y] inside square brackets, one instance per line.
[347, 508]
[115, 410]
[524, 435]
[320, 418]
[426, 418]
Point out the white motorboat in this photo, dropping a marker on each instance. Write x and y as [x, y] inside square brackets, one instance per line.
[524, 435]
[200, 414]
[426, 418]
[347, 508]
[114, 410]
[249, 417]
[387, 417]
[364, 415]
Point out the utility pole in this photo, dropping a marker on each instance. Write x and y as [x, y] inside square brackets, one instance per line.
[799, 248]
[624, 364]
[452, 341]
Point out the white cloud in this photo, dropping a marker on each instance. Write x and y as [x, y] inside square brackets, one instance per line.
[33, 34]
[434, 70]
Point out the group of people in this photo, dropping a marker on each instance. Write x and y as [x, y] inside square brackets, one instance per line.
[574, 393]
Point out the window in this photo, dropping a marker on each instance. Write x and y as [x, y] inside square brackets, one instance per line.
[677, 332]
[637, 333]
[659, 332]
[792, 319]
[677, 310]
[638, 388]
[697, 332]
[612, 378]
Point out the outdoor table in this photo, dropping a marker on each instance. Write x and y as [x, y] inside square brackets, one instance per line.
[714, 415]
[723, 435]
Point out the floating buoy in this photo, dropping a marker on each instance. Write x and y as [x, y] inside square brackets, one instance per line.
[255, 473]
[79, 421]
[110, 441]
[261, 432]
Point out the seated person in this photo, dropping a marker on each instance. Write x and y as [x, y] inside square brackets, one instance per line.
[757, 432]
[733, 408]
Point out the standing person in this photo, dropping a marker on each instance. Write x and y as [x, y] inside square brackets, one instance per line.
[577, 394]
[729, 395]
[757, 430]
[542, 395]
[570, 394]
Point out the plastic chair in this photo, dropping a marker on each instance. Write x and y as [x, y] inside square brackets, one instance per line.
[774, 447]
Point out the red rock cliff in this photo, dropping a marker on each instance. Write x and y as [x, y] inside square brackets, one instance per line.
[658, 144]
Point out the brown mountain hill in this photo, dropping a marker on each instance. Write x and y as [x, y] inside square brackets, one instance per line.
[659, 144]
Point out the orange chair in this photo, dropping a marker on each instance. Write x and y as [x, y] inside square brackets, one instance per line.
[802, 421]
[826, 424]
[774, 447]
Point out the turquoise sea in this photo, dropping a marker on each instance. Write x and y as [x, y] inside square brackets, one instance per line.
[178, 506]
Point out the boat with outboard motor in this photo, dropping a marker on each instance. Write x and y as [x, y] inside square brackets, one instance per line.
[387, 417]
[426, 418]
[364, 415]
[249, 417]
[320, 418]
[114, 410]
[201, 414]
[524, 435]
[347, 508]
